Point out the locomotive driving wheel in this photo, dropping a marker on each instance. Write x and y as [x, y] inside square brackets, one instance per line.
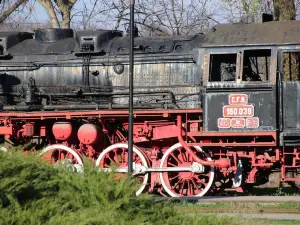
[185, 183]
[63, 155]
[117, 155]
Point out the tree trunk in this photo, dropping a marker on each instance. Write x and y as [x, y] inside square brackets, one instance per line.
[66, 19]
[11, 9]
[284, 9]
[65, 7]
[51, 12]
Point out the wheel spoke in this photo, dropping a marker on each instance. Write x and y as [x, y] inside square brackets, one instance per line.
[177, 160]
[172, 178]
[189, 157]
[59, 154]
[111, 160]
[190, 189]
[177, 183]
[173, 165]
[123, 154]
[195, 185]
[183, 156]
[182, 187]
[200, 181]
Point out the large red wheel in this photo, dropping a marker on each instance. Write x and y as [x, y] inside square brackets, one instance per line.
[117, 156]
[61, 154]
[185, 183]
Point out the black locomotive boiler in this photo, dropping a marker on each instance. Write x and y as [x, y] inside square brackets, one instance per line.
[57, 68]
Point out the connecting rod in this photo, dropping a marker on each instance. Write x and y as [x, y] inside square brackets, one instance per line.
[224, 163]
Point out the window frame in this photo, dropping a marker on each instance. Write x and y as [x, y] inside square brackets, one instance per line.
[205, 61]
[210, 64]
[280, 60]
[240, 78]
[206, 69]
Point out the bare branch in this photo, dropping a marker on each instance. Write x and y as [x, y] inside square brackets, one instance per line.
[11, 9]
[65, 7]
[48, 6]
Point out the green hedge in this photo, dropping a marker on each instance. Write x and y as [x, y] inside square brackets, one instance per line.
[32, 192]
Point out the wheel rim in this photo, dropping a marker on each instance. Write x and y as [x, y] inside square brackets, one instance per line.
[117, 155]
[64, 155]
[178, 184]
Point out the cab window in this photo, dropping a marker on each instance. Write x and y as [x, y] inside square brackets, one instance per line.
[256, 65]
[222, 67]
[291, 66]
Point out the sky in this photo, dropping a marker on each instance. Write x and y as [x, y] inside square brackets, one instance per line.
[39, 14]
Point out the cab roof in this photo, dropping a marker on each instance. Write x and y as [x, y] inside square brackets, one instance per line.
[268, 33]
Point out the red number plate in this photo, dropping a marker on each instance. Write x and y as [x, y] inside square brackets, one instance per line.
[238, 99]
[238, 111]
[252, 122]
[238, 123]
[224, 123]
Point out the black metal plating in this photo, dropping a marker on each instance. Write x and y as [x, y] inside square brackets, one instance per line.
[53, 34]
[75, 107]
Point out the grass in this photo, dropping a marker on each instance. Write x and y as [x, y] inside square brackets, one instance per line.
[264, 191]
[242, 209]
[281, 191]
[32, 192]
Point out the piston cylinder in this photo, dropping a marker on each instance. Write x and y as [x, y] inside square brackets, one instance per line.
[89, 134]
[62, 130]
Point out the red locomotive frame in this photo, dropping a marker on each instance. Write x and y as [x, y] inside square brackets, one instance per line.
[172, 154]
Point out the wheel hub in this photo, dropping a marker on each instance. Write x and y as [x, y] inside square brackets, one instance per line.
[69, 165]
[186, 175]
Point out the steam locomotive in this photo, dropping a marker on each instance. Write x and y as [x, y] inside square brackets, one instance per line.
[213, 113]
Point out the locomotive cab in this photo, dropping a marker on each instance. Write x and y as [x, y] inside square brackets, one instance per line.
[239, 81]
[251, 82]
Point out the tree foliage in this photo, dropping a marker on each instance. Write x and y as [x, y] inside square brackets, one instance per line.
[284, 9]
[249, 7]
[281, 9]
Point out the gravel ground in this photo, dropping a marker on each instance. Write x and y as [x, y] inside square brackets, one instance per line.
[258, 199]
[268, 216]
